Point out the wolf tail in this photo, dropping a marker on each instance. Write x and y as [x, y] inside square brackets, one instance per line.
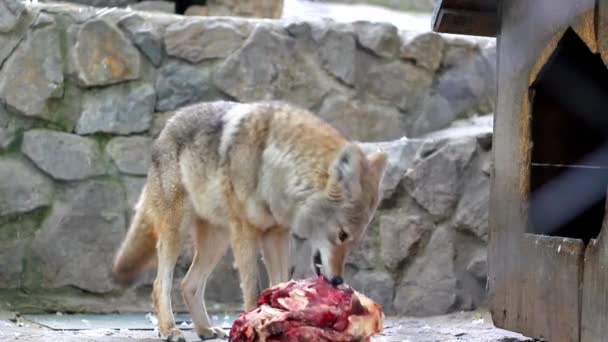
[138, 249]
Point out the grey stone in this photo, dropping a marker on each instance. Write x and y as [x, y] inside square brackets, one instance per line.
[42, 20]
[159, 122]
[76, 245]
[131, 155]
[251, 73]
[11, 11]
[63, 156]
[469, 78]
[472, 211]
[380, 38]
[338, 53]
[14, 123]
[478, 265]
[103, 55]
[298, 28]
[458, 50]
[466, 85]
[22, 188]
[489, 54]
[72, 15]
[8, 44]
[487, 167]
[145, 36]
[10, 40]
[5, 116]
[401, 156]
[402, 84]
[424, 49]
[361, 120]
[429, 287]
[252, 66]
[378, 285]
[179, 84]
[7, 137]
[435, 182]
[33, 75]
[12, 254]
[365, 255]
[437, 113]
[400, 237]
[199, 40]
[121, 109]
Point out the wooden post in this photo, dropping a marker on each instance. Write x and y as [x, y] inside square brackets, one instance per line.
[594, 325]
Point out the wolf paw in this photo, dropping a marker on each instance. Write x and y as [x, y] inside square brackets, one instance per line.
[174, 335]
[210, 333]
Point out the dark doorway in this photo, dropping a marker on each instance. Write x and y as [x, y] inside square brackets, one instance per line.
[569, 141]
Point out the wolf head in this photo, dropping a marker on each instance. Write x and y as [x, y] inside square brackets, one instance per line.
[336, 218]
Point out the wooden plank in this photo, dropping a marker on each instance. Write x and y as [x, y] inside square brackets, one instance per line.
[594, 313]
[595, 292]
[551, 271]
[473, 23]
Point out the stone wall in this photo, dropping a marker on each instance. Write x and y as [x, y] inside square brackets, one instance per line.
[84, 92]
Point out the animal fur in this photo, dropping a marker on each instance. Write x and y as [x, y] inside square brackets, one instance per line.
[243, 176]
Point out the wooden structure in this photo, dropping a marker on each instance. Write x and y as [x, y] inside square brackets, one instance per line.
[548, 248]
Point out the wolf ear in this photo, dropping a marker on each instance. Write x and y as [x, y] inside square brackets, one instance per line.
[345, 173]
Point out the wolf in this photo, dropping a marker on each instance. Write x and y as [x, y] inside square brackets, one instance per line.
[245, 176]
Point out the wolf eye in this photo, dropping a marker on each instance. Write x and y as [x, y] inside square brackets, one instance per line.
[342, 236]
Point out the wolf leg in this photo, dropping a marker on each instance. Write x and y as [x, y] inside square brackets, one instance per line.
[244, 241]
[211, 244]
[275, 249]
[169, 248]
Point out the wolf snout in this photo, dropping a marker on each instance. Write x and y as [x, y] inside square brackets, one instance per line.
[336, 281]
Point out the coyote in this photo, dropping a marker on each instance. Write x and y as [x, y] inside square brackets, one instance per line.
[246, 175]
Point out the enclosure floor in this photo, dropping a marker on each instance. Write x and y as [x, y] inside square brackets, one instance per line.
[463, 326]
[314, 10]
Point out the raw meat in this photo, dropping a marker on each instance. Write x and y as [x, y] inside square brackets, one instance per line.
[310, 310]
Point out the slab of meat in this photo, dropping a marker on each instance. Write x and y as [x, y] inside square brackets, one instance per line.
[310, 310]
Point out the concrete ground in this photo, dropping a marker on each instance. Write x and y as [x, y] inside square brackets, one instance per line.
[462, 326]
[317, 10]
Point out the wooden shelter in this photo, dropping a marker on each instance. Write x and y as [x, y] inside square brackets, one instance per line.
[548, 248]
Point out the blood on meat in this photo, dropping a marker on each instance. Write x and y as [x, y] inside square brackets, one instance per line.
[309, 310]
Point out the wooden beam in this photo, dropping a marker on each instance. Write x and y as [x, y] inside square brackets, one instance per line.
[470, 5]
[469, 17]
[465, 22]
